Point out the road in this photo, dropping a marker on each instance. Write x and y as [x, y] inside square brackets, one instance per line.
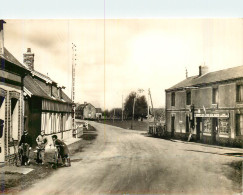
[128, 162]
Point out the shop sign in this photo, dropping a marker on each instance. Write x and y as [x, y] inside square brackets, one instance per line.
[225, 115]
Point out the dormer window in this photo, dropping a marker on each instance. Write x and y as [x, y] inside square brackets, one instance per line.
[51, 91]
[60, 93]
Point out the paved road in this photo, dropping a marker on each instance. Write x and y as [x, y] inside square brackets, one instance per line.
[127, 162]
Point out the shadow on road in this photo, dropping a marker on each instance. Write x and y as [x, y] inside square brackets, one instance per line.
[224, 154]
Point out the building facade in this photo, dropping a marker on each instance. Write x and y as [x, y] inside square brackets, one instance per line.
[85, 111]
[12, 74]
[47, 107]
[209, 105]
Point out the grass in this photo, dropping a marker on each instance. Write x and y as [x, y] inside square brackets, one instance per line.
[137, 125]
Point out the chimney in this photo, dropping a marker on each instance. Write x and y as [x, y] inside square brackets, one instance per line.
[200, 70]
[29, 59]
[203, 70]
[1, 37]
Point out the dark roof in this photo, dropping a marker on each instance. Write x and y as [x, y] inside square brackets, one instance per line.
[37, 90]
[31, 85]
[81, 106]
[98, 110]
[9, 57]
[211, 77]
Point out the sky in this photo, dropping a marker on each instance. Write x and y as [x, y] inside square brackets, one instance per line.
[117, 56]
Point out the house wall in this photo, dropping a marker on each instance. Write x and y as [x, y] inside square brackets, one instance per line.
[227, 95]
[13, 121]
[202, 97]
[89, 112]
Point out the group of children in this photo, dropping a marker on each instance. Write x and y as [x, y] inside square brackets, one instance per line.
[25, 145]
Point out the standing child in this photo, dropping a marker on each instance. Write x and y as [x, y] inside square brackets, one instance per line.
[41, 145]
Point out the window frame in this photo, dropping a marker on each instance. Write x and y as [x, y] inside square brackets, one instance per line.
[188, 100]
[172, 98]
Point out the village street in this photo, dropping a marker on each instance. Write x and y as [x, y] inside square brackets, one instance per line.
[128, 162]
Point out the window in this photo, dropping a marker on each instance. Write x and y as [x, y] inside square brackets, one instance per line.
[223, 126]
[239, 124]
[239, 93]
[14, 119]
[215, 96]
[188, 98]
[173, 99]
[207, 125]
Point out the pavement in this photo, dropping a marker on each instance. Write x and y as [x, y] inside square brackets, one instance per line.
[124, 161]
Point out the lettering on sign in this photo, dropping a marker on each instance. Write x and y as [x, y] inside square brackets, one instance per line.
[226, 115]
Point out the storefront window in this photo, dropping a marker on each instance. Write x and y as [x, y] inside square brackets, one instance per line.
[223, 126]
[207, 125]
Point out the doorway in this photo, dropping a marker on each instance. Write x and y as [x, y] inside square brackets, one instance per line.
[214, 129]
[198, 128]
[172, 126]
[2, 128]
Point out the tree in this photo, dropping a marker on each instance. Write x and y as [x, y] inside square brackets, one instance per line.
[118, 113]
[140, 109]
[106, 114]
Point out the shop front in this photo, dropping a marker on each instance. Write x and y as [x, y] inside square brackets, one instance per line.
[212, 126]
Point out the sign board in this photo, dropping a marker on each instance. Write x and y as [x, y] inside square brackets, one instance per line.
[217, 115]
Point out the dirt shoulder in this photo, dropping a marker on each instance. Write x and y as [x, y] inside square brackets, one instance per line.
[15, 182]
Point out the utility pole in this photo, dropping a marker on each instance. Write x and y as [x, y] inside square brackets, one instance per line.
[122, 107]
[74, 58]
[114, 114]
[133, 108]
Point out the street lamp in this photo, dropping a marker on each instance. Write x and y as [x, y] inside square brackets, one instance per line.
[133, 108]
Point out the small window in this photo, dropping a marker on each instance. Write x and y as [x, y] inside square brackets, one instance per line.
[239, 93]
[188, 98]
[173, 99]
[215, 96]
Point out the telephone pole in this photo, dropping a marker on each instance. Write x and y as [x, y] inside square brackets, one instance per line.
[122, 108]
[74, 59]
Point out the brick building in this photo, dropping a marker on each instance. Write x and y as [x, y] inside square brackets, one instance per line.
[210, 103]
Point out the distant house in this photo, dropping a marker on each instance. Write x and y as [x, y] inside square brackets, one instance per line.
[98, 113]
[85, 111]
[12, 74]
[209, 105]
[47, 107]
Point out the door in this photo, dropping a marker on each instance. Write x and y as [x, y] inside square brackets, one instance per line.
[198, 128]
[172, 126]
[2, 127]
[187, 124]
[214, 129]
